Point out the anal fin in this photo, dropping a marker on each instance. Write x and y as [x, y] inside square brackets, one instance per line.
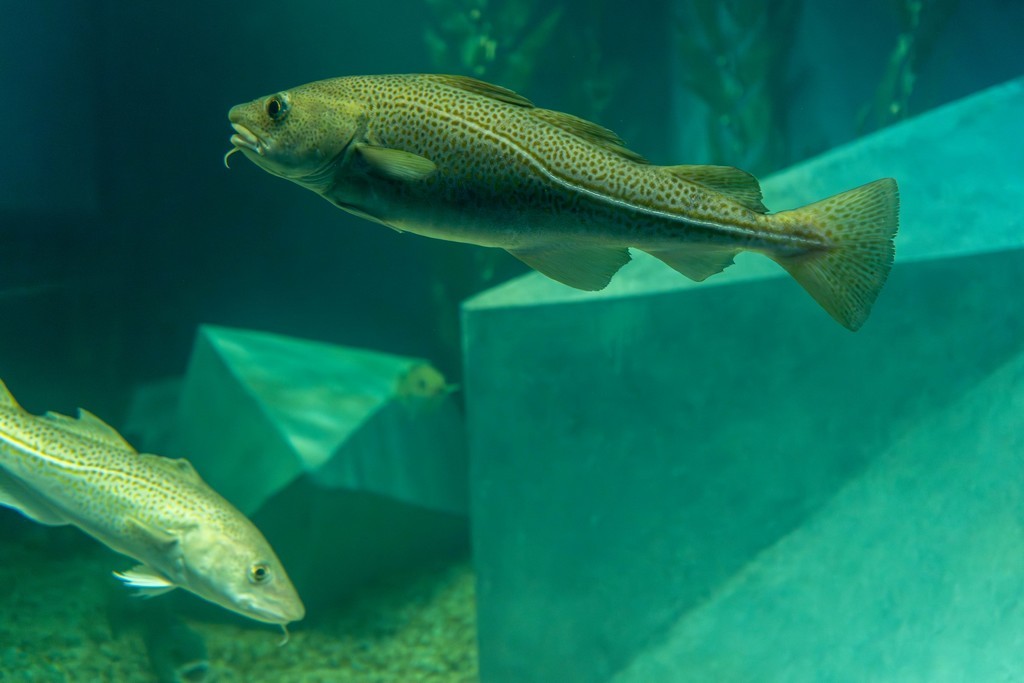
[696, 261]
[584, 267]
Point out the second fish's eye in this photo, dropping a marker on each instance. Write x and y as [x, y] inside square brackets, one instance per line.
[276, 107]
[259, 573]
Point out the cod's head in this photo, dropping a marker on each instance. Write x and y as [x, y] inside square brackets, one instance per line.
[237, 569]
[299, 134]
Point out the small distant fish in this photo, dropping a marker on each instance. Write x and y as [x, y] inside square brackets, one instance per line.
[423, 389]
[458, 159]
[423, 380]
[58, 470]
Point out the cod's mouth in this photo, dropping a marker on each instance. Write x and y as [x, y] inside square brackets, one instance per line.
[274, 614]
[244, 139]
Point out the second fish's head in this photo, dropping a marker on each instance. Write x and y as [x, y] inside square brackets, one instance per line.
[301, 134]
[236, 568]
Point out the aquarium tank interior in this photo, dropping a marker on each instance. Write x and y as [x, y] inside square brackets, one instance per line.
[503, 408]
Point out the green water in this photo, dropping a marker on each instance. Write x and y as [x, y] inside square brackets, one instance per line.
[121, 233]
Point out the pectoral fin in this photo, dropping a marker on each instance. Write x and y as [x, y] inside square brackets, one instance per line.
[583, 267]
[148, 535]
[396, 164]
[148, 582]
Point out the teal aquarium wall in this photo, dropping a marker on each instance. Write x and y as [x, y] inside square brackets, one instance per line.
[666, 480]
[718, 483]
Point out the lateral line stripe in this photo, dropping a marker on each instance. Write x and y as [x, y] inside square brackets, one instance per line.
[66, 465]
[601, 197]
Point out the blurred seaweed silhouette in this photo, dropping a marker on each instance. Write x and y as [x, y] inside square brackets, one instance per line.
[735, 55]
[499, 41]
[595, 79]
[921, 22]
[496, 40]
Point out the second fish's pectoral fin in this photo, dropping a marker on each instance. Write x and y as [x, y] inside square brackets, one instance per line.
[148, 582]
[144, 533]
[697, 262]
[17, 495]
[737, 185]
[396, 164]
[583, 267]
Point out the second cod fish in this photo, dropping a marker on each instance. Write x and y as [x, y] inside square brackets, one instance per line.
[462, 160]
[58, 470]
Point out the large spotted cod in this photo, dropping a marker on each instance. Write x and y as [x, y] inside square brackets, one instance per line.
[58, 470]
[462, 160]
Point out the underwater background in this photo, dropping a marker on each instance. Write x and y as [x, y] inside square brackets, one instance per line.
[122, 233]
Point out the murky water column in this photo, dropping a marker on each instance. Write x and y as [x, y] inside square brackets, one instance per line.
[716, 482]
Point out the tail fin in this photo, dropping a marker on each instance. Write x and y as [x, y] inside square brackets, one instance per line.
[845, 279]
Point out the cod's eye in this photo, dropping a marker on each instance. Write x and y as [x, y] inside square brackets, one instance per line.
[259, 573]
[277, 107]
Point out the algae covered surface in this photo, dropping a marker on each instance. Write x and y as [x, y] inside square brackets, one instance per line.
[60, 621]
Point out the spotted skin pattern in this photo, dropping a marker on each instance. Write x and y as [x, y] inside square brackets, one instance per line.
[550, 188]
[61, 470]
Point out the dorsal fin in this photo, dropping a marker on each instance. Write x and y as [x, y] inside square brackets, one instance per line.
[478, 87]
[173, 466]
[589, 131]
[7, 398]
[91, 427]
[738, 185]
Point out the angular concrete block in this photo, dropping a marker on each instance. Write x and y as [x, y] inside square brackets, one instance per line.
[633, 449]
[913, 572]
[278, 408]
[352, 462]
